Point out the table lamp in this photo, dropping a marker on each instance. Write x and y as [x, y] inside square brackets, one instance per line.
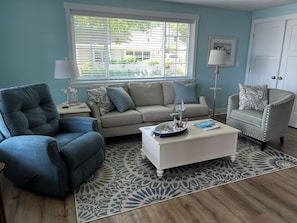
[66, 69]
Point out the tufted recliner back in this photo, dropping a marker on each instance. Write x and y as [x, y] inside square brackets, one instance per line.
[28, 110]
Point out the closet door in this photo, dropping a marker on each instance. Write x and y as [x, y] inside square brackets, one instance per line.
[287, 78]
[265, 53]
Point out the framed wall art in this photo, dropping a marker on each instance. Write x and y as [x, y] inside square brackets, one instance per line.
[224, 43]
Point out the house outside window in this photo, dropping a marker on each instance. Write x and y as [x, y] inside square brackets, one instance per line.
[111, 44]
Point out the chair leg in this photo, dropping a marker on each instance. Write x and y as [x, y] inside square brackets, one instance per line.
[263, 145]
[281, 139]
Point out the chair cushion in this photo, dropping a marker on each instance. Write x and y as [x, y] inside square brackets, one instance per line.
[185, 92]
[144, 94]
[115, 118]
[28, 110]
[253, 97]
[120, 98]
[252, 117]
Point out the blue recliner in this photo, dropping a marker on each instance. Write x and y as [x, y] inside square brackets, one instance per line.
[41, 151]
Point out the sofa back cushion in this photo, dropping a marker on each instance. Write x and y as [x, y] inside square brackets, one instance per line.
[144, 94]
[28, 110]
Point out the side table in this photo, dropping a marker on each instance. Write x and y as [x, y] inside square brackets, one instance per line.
[2, 213]
[81, 109]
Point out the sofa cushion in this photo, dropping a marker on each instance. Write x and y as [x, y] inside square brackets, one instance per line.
[154, 113]
[193, 110]
[144, 94]
[251, 117]
[253, 97]
[185, 92]
[168, 92]
[100, 97]
[120, 98]
[115, 118]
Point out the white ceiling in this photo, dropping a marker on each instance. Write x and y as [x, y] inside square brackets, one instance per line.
[236, 4]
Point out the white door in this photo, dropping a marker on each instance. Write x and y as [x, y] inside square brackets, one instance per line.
[265, 53]
[287, 79]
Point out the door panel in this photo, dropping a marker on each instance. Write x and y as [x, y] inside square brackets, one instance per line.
[265, 53]
[288, 68]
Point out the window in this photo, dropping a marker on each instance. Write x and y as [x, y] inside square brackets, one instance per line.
[112, 44]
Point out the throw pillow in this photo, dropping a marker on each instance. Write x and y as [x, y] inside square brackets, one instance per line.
[185, 92]
[253, 97]
[100, 97]
[120, 98]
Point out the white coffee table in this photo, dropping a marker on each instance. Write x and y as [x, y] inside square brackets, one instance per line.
[192, 146]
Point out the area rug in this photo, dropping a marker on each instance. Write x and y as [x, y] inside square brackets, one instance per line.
[126, 181]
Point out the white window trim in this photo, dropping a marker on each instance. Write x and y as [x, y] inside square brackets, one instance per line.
[193, 18]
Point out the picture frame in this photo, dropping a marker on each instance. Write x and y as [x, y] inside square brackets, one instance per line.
[224, 43]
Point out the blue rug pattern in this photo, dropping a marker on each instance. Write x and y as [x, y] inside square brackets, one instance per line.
[126, 181]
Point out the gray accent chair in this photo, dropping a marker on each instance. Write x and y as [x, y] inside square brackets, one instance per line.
[42, 151]
[264, 126]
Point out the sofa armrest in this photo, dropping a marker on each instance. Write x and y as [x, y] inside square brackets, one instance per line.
[78, 124]
[233, 103]
[33, 161]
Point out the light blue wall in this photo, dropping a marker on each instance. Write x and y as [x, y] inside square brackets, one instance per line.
[276, 11]
[33, 36]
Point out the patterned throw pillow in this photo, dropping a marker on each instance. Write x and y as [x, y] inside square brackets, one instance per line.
[253, 97]
[99, 96]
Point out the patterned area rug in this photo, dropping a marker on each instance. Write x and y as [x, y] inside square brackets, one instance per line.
[126, 181]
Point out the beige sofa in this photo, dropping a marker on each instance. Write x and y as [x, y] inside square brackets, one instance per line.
[153, 103]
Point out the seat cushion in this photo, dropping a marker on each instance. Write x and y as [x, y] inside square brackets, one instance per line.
[251, 117]
[154, 113]
[115, 118]
[193, 110]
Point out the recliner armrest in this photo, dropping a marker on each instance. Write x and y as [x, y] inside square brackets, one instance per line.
[78, 124]
[33, 161]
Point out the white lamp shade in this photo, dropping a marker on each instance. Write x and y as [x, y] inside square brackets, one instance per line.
[217, 57]
[65, 69]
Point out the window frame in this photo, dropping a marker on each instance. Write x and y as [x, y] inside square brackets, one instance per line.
[98, 10]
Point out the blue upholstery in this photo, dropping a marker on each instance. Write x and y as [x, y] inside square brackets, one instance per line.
[41, 151]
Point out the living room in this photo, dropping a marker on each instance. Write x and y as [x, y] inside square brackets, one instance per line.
[34, 36]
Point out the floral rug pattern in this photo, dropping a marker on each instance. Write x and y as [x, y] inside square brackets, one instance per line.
[126, 181]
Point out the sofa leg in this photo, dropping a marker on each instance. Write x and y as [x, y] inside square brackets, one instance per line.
[281, 139]
[263, 145]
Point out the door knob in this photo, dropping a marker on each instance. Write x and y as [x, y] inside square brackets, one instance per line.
[273, 77]
[280, 78]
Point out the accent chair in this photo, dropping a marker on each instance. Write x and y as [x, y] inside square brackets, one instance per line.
[265, 124]
[42, 151]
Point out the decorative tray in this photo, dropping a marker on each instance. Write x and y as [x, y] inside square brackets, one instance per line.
[168, 129]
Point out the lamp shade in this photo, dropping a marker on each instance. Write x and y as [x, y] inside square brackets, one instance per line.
[217, 57]
[65, 69]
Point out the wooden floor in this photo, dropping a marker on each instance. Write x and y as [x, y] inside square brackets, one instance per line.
[267, 198]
